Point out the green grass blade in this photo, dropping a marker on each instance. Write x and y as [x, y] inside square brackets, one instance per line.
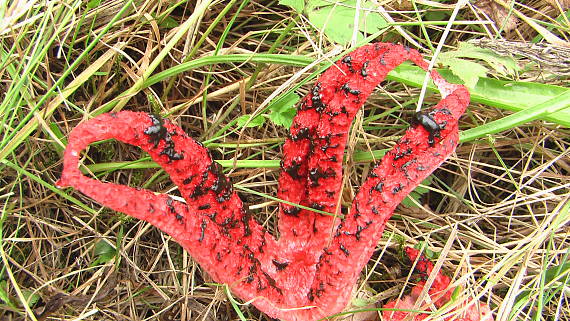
[182, 30]
[510, 95]
[28, 124]
[541, 110]
[49, 186]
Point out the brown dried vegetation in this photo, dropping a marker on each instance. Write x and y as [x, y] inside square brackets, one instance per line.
[500, 204]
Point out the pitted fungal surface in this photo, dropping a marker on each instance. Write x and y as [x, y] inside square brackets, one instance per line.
[309, 272]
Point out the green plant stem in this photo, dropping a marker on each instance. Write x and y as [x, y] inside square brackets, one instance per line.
[541, 110]
[510, 95]
[248, 190]
[146, 162]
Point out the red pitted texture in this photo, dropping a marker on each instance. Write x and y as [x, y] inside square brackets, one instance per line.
[309, 272]
[440, 293]
[312, 163]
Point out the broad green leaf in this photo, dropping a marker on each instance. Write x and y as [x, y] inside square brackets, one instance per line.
[408, 201]
[255, 122]
[284, 118]
[468, 71]
[424, 247]
[93, 4]
[417, 193]
[336, 20]
[103, 247]
[168, 23]
[103, 252]
[322, 3]
[370, 21]
[4, 293]
[298, 5]
[501, 64]
[436, 15]
[360, 302]
[283, 110]
[31, 297]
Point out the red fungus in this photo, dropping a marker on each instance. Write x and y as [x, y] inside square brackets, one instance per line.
[439, 293]
[304, 275]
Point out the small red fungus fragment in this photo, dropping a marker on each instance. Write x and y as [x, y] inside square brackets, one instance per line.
[440, 293]
[307, 274]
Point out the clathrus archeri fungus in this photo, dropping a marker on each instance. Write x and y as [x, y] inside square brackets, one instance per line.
[439, 294]
[309, 272]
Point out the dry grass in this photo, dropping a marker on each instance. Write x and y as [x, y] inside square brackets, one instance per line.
[496, 212]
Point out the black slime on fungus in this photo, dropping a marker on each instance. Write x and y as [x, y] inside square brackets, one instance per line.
[429, 124]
